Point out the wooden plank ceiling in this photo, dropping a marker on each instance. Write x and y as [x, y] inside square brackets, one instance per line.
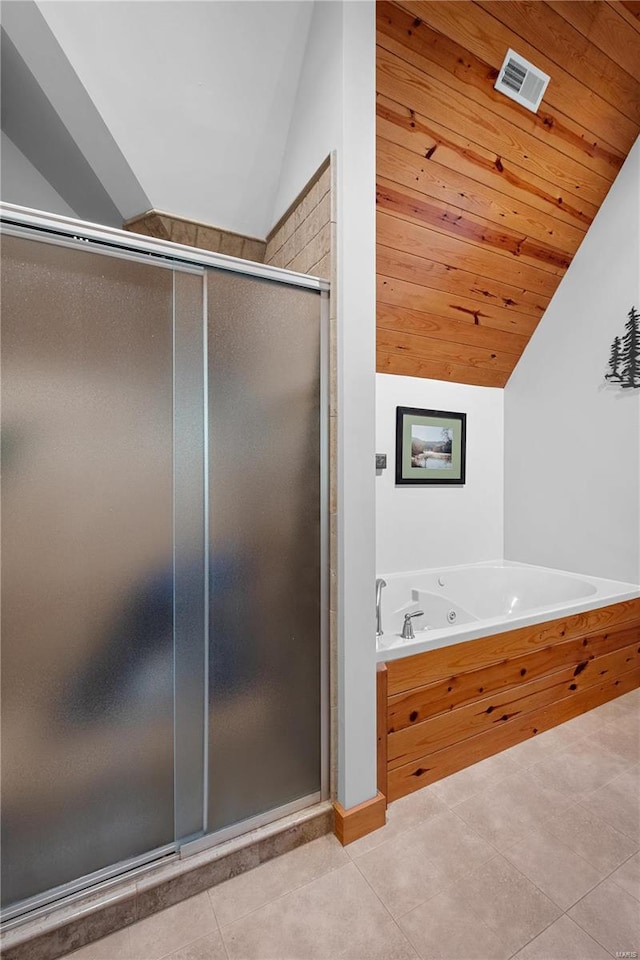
[481, 203]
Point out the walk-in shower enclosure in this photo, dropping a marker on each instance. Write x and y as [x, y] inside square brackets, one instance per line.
[164, 551]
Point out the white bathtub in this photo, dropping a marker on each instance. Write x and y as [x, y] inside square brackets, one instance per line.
[467, 602]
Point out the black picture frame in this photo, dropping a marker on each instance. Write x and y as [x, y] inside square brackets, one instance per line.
[443, 458]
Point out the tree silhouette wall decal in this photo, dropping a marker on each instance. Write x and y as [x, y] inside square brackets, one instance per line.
[625, 354]
[614, 360]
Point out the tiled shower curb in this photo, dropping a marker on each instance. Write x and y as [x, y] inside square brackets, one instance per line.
[68, 927]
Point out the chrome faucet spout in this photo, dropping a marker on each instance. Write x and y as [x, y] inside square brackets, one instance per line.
[380, 583]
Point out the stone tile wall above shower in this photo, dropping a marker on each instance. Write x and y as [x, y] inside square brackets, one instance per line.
[192, 233]
[301, 240]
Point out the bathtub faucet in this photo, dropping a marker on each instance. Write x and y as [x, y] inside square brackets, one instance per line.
[407, 626]
[380, 583]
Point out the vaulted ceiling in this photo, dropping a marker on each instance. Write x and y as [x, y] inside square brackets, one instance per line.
[183, 106]
[481, 203]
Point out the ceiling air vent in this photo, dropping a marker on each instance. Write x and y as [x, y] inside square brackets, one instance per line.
[521, 81]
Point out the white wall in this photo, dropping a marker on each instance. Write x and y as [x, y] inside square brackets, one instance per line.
[316, 122]
[572, 466]
[356, 408]
[335, 111]
[198, 96]
[50, 116]
[433, 526]
[21, 183]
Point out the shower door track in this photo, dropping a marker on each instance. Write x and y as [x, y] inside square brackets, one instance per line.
[129, 870]
[68, 893]
[16, 219]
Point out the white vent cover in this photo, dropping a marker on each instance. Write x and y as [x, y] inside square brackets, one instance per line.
[521, 81]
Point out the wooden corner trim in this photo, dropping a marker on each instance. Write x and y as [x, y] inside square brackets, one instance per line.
[356, 822]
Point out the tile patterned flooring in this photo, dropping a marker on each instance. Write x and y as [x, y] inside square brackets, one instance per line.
[531, 854]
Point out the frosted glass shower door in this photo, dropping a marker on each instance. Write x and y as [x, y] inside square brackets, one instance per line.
[88, 609]
[164, 575]
[265, 484]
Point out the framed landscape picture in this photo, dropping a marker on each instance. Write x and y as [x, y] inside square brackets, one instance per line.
[430, 446]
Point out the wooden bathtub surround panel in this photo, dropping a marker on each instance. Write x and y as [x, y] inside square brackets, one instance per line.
[422, 668]
[358, 821]
[434, 766]
[488, 713]
[420, 703]
[450, 707]
[478, 197]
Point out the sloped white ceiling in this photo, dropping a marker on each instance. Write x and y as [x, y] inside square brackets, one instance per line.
[197, 95]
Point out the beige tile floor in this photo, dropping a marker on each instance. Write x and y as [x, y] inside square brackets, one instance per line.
[532, 854]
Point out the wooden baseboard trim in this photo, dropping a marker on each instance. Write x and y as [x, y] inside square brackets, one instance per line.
[356, 822]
